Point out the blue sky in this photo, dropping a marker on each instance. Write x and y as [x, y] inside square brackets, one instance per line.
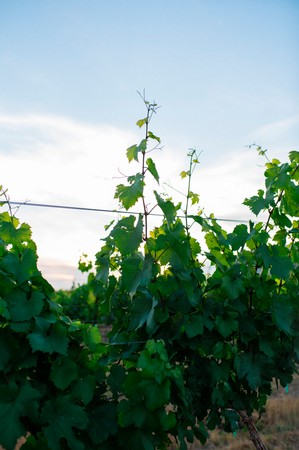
[225, 72]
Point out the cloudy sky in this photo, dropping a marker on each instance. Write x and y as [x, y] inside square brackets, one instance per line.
[225, 72]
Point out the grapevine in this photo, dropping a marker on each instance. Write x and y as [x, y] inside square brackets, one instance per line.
[188, 350]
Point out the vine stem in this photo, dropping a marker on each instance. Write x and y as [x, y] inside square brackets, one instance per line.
[188, 191]
[150, 110]
[4, 193]
[252, 430]
[148, 115]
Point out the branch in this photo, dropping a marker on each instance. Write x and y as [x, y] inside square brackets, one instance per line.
[252, 430]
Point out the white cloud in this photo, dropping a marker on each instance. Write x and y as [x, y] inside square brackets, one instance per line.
[54, 158]
[279, 127]
[48, 159]
[280, 136]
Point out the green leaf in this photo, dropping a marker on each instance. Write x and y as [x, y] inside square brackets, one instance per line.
[102, 422]
[290, 199]
[250, 366]
[167, 207]
[130, 413]
[233, 287]
[184, 174]
[136, 271]
[141, 312]
[140, 440]
[103, 264]
[84, 265]
[63, 372]
[116, 379]
[238, 237]
[194, 326]
[55, 340]
[155, 394]
[153, 360]
[211, 241]
[173, 248]
[152, 169]
[152, 136]
[131, 273]
[92, 336]
[277, 258]
[12, 233]
[22, 267]
[83, 389]
[15, 403]
[232, 419]
[258, 203]
[283, 314]
[281, 219]
[193, 197]
[266, 346]
[226, 324]
[21, 307]
[132, 153]
[60, 415]
[129, 195]
[141, 122]
[167, 420]
[280, 237]
[281, 266]
[294, 156]
[127, 235]
[4, 309]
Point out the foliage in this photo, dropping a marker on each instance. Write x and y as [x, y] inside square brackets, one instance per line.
[188, 351]
[51, 377]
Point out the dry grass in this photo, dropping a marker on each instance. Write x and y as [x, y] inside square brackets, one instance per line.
[278, 427]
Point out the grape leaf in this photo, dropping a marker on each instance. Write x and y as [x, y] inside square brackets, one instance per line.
[23, 267]
[127, 235]
[54, 341]
[283, 314]
[102, 422]
[167, 207]
[141, 312]
[129, 195]
[257, 203]
[13, 234]
[194, 326]
[154, 394]
[152, 136]
[83, 389]
[60, 415]
[130, 413]
[15, 403]
[132, 153]
[141, 122]
[140, 440]
[136, 271]
[226, 324]
[21, 308]
[250, 366]
[152, 169]
[63, 372]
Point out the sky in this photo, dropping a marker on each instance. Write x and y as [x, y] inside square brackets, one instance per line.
[225, 73]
